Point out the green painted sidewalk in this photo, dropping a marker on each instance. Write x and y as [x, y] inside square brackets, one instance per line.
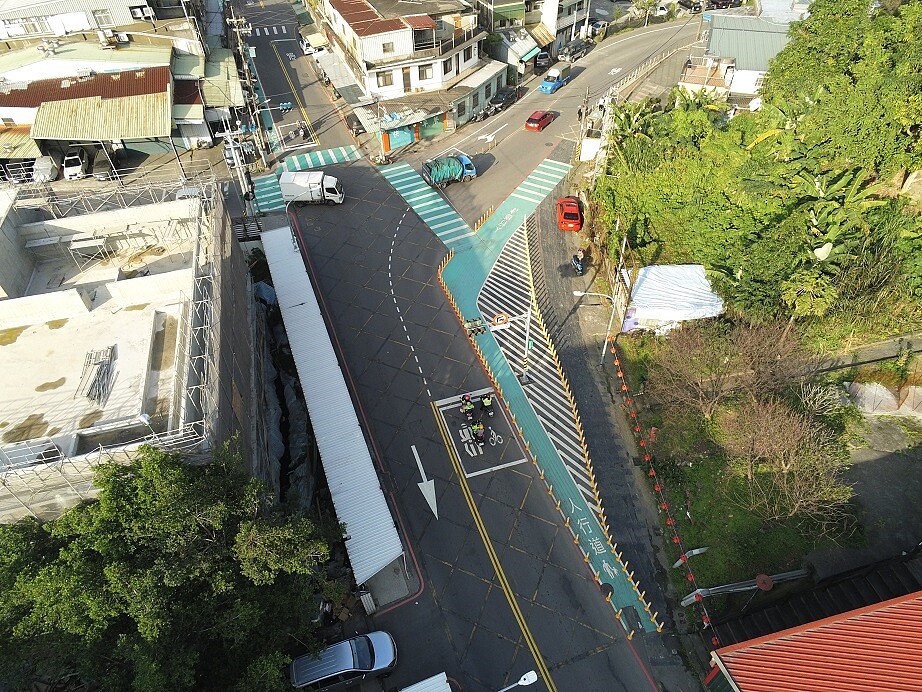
[464, 276]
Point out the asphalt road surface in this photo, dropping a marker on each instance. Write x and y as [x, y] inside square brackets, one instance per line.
[505, 590]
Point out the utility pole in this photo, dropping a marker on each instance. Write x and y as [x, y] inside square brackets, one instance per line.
[241, 27]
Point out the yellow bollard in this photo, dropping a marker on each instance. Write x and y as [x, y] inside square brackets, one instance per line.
[618, 614]
[630, 635]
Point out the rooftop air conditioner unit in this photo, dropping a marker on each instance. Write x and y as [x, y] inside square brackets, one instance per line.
[137, 12]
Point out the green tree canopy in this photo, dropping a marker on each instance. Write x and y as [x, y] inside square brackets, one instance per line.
[179, 577]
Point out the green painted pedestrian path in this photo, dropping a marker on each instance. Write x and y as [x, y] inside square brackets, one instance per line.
[429, 205]
[465, 276]
[268, 195]
[321, 158]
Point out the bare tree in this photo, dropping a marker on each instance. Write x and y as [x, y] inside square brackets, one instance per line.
[788, 464]
[770, 432]
[812, 488]
[693, 367]
[769, 361]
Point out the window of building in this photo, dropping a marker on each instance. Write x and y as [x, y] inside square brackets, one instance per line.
[103, 17]
[462, 109]
[7, 122]
[475, 99]
[387, 47]
[447, 66]
[499, 82]
[579, 5]
[32, 25]
[385, 79]
[468, 53]
[425, 71]
[488, 90]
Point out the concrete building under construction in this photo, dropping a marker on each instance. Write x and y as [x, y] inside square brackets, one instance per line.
[126, 317]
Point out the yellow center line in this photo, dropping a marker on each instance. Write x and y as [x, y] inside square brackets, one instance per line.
[491, 553]
[297, 98]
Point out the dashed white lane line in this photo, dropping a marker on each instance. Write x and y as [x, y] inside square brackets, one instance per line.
[390, 281]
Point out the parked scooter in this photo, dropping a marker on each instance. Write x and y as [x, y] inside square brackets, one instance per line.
[577, 262]
[479, 116]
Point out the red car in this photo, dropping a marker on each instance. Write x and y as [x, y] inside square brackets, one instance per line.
[569, 217]
[539, 120]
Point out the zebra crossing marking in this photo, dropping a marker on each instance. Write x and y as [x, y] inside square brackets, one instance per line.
[430, 206]
[321, 158]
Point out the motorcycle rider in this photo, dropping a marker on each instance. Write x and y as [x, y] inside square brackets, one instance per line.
[477, 430]
[486, 404]
[467, 406]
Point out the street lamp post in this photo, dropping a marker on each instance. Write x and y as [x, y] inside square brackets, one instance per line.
[611, 319]
[524, 681]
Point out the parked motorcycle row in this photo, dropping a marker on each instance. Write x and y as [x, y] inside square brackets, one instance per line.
[486, 112]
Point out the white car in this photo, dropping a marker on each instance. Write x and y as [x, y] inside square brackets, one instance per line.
[75, 163]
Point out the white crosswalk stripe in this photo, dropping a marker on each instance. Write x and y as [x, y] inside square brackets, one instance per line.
[508, 290]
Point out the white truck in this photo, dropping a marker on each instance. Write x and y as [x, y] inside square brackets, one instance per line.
[310, 187]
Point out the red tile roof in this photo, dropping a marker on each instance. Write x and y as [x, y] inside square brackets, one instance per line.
[872, 649]
[150, 80]
[364, 19]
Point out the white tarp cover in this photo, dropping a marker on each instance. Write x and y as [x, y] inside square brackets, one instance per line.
[437, 683]
[666, 294]
[351, 475]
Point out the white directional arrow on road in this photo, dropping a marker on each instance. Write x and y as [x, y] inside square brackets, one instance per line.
[490, 137]
[427, 487]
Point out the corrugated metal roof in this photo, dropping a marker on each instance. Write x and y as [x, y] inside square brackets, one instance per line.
[221, 87]
[186, 91]
[437, 683]
[750, 40]
[17, 143]
[872, 649]
[481, 76]
[74, 55]
[95, 119]
[188, 112]
[151, 80]
[542, 35]
[783, 10]
[192, 65]
[420, 21]
[351, 475]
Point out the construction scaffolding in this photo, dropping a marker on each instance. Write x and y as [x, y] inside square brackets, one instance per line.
[39, 477]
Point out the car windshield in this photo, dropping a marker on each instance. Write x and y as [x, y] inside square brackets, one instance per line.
[571, 216]
[362, 652]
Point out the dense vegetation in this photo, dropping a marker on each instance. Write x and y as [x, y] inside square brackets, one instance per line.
[789, 207]
[179, 577]
[794, 210]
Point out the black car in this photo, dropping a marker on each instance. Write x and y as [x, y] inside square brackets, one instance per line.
[504, 98]
[718, 4]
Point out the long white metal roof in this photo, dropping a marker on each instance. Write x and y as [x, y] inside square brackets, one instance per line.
[351, 475]
[437, 683]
